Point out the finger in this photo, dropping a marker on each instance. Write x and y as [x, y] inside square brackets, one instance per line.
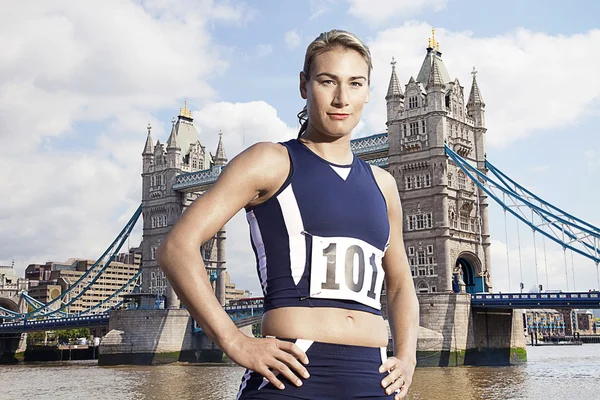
[391, 378]
[293, 363]
[387, 365]
[272, 378]
[402, 394]
[398, 385]
[287, 372]
[295, 350]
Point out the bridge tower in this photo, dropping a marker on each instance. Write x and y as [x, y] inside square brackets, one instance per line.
[162, 204]
[446, 228]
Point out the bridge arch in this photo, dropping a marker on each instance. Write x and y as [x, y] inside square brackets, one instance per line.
[468, 270]
[9, 305]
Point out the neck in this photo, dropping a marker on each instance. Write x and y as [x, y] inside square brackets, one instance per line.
[335, 149]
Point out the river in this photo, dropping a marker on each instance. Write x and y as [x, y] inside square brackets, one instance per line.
[554, 372]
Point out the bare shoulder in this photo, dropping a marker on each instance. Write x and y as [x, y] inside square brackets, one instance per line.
[262, 160]
[266, 166]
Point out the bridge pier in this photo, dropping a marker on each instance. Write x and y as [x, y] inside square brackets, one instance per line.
[10, 345]
[147, 337]
[453, 333]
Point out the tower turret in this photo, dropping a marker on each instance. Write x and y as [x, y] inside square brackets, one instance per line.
[173, 149]
[394, 98]
[148, 151]
[435, 88]
[475, 105]
[220, 159]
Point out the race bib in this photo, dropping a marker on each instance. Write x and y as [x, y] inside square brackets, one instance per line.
[346, 269]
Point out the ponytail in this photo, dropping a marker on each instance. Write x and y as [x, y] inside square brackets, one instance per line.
[303, 119]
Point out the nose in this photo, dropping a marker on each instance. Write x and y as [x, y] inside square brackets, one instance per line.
[341, 97]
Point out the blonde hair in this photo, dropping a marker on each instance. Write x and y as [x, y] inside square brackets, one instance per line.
[324, 42]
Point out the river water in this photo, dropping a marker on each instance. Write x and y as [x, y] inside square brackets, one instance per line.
[553, 372]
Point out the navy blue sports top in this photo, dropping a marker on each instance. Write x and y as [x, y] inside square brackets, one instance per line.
[320, 239]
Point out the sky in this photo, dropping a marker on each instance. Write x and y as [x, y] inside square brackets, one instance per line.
[79, 85]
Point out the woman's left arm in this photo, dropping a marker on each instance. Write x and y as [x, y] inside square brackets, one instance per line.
[402, 303]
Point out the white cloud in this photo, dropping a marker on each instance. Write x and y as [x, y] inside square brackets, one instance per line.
[520, 73]
[63, 66]
[379, 11]
[292, 39]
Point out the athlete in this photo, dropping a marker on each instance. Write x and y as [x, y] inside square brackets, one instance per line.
[326, 229]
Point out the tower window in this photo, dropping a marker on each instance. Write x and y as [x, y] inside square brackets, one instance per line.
[464, 223]
[427, 180]
[414, 128]
[430, 249]
[413, 102]
[421, 258]
[462, 183]
[428, 220]
[420, 222]
[419, 182]
[423, 126]
[411, 222]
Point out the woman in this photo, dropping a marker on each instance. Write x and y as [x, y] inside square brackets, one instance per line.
[326, 228]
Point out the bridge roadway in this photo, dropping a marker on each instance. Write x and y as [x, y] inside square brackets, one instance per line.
[247, 314]
[536, 300]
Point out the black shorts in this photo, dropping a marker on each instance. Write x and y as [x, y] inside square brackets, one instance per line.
[336, 371]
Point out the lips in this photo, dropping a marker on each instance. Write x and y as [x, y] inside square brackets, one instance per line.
[338, 116]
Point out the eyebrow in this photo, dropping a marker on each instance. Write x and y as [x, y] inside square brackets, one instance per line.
[334, 76]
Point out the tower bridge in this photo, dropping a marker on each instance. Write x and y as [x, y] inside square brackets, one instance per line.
[435, 147]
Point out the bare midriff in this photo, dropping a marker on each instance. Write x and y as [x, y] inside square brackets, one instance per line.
[328, 325]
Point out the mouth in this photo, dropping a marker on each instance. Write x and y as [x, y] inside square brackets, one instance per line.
[338, 116]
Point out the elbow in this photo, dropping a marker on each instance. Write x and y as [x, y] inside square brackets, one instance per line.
[163, 254]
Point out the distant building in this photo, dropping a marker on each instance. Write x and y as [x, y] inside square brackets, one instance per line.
[231, 293]
[581, 321]
[50, 280]
[545, 322]
[585, 321]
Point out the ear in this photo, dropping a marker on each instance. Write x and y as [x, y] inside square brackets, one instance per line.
[368, 98]
[303, 83]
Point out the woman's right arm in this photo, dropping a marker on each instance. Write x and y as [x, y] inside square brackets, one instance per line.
[251, 177]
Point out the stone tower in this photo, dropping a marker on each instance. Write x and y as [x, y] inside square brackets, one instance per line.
[162, 204]
[446, 228]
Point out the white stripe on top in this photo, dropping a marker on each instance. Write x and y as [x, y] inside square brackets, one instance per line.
[257, 240]
[294, 226]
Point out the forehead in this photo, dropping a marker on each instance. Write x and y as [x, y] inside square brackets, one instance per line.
[340, 61]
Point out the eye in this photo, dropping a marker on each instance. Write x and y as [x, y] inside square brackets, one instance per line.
[356, 84]
[328, 82]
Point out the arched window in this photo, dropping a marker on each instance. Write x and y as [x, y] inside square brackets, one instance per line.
[423, 287]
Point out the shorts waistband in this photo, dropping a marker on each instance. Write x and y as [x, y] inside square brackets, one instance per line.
[344, 350]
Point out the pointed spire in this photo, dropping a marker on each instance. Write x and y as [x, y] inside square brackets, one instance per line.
[475, 98]
[220, 157]
[149, 145]
[172, 143]
[435, 76]
[185, 112]
[394, 90]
